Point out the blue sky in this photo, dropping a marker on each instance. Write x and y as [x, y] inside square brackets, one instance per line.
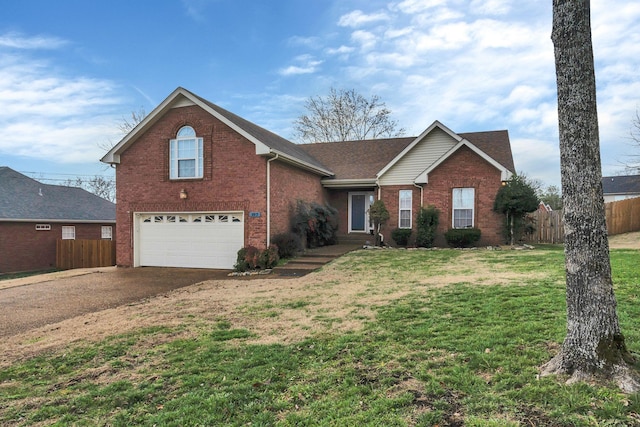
[71, 70]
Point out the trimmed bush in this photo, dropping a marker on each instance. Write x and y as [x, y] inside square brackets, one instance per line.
[462, 237]
[288, 244]
[268, 258]
[401, 236]
[252, 258]
[427, 224]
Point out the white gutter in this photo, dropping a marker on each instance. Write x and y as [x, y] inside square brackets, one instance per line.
[61, 221]
[269, 199]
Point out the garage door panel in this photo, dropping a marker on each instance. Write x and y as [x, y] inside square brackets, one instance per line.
[197, 240]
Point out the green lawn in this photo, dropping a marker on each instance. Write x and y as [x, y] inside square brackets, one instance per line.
[461, 347]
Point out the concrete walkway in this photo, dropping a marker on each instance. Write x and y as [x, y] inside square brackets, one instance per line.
[313, 259]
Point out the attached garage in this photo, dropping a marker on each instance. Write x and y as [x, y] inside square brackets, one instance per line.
[188, 239]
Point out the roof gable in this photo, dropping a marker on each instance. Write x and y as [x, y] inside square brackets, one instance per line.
[492, 146]
[435, 125]
[505, 173]
[23, 198]
[266, 142]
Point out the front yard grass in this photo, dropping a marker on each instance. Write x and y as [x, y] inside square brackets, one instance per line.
[460, 345]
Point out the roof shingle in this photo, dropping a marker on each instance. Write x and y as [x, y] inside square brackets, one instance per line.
[23, 198]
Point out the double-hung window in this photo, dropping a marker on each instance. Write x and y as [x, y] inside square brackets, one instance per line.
[405, 208]
[463, 206]
[185, 155]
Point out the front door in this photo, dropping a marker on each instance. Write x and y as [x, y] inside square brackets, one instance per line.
[359, 204]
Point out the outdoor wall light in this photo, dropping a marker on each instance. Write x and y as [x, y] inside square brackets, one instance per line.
[183, 194]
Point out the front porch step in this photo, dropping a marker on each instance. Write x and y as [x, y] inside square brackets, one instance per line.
[312, 259]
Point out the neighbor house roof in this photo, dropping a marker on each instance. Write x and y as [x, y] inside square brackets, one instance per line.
[25, 199]
[266, 142]
[626, 184]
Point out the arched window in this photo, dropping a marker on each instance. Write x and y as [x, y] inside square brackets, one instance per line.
[185, 154]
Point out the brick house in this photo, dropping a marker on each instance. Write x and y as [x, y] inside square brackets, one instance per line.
[195, 183]
[33, 216]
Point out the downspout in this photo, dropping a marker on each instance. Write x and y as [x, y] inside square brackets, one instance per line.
[269, 198]
[421, 194]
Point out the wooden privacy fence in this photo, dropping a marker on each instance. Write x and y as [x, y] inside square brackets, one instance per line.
[623, 216]
[85, 253]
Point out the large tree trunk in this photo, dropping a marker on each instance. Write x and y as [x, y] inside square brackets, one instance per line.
[594, 346]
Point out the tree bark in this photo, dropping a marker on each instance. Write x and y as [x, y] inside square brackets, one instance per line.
[594, 347]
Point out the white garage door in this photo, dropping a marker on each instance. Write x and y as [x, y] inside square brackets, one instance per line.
[193, 240]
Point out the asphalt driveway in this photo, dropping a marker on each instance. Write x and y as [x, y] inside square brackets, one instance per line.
[41, 300]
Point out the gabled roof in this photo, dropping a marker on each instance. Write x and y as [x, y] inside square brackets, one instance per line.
[266, 142]
[625, 184]
[25, 199]
[362, 162]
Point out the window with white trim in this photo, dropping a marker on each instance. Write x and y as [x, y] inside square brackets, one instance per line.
[107, 232]
[43, 227]
[68, 232]
[405, 208]
[185, 155]
[463, 207]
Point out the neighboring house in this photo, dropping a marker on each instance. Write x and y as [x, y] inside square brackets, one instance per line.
[33, 216]
[195, 183]
[544, 207]
[620, 187]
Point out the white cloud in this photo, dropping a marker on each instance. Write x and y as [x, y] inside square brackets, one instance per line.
[491, 7]
[50, 115]
[366, 39]
[357, 18]
[342, 50]
[308, 65]
[417, 6]
[18, 41]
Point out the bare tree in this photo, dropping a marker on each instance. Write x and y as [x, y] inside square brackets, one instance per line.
[128, 124]
[632, 161]
[125, 126]
[594, 347]
[345, 115]
[98, 185]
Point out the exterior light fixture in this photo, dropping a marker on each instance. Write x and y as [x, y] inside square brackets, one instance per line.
[183, 194]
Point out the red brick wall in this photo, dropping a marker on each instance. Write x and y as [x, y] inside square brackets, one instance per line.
[22, 248]
[465, 169]
[234, 180]
[288, 185]
[339, 199]
[390, 195]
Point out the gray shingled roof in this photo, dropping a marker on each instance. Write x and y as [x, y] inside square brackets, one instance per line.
[625, 184]
[364, 159]
[357, 159]
[23, 198]
[270, 139]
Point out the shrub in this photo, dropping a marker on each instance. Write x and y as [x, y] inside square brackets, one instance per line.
[427, 224]
[315, 224]
[288, 244]
[252, 258]
[268, 258]
[241, 262]
[462, 237]
[401, 236]
[379, 214]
